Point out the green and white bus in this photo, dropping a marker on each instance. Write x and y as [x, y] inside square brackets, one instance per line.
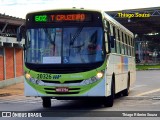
[77, 54]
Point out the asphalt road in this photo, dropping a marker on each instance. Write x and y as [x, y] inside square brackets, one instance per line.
[144, 96]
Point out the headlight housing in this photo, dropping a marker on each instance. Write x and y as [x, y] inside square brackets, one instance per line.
[94, 79]
[33, 80]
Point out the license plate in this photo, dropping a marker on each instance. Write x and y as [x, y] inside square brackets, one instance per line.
[62, 89]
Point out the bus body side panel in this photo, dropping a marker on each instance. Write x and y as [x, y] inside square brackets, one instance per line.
[114, 67]
[120, 65]
[109, 72]
[132, 71]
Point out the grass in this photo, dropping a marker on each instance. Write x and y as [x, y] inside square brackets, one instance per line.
[147, 67]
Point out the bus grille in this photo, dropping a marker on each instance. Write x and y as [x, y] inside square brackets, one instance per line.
[59, 82]
[55, 89]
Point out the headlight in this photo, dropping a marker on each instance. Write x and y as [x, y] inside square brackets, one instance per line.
[90, 81]
[93, 79]
[28, 76]
[99, 75]
[33, 80]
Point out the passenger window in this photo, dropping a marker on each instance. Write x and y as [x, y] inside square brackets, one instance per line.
[126, 50]
[113, 35]
[124, 38]
[118, 47]
[116, 34]
[122, 48]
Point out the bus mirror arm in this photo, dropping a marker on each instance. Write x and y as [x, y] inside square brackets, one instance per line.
[19, 33]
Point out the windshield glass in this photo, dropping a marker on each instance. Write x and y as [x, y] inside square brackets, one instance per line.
[64, 45]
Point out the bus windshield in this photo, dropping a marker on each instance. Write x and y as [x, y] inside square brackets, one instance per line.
[68, 45]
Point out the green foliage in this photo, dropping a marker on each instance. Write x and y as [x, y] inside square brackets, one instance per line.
[148, 67]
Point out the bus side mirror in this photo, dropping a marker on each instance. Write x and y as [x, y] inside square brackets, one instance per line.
[19, 35]
[112, 39]
[20, 31]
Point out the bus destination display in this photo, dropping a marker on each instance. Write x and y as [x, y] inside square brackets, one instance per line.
[78, 17]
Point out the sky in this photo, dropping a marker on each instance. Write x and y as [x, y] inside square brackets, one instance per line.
[19, 8]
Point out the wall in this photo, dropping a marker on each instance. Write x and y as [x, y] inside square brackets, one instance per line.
[11, 63]
[9, 53]
[19, 62]
[1, 68]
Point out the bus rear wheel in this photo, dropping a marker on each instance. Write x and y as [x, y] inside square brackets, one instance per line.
[46, 102]
[108, 101]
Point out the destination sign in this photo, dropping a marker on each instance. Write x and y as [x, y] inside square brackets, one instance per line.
[75, 17]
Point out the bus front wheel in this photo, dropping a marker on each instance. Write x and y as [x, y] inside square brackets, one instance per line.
[46, 102]
[108, 101]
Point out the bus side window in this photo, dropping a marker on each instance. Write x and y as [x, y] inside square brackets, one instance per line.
[117, 46]
[121, 42]
[106, 34]
[112, 38]
[133, 52]
[114, 31]
[106, 25]
[118, 43]
[116, 35]
[129, 43]
[123, 49]
[125, 42]
[124, 38]
[133, 47]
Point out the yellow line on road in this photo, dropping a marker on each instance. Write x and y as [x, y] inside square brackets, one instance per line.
[149, 92]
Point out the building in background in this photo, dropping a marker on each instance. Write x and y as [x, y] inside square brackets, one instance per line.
[11, 51]
[145, 24]
[148, 49]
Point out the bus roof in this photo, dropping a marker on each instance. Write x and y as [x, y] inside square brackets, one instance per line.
[65, 9]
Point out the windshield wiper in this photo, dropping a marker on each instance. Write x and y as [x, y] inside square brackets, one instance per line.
[52, 41]
[72, 40]
[75, 36]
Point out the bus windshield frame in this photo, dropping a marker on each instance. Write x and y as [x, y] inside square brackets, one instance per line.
[44, 36]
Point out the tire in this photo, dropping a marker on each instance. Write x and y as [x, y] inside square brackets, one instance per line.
[108, 101]
[126, 91]
[46, 102]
